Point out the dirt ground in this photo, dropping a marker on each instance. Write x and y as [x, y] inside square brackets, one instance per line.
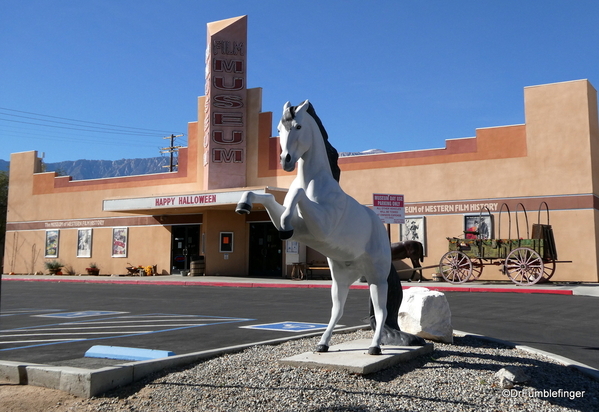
[25, 398]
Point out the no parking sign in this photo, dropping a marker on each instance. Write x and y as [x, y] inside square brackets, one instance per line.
[390, 208]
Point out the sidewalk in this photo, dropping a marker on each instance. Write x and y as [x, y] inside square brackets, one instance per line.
[580, 289]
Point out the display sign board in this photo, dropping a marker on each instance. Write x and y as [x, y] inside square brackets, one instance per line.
[390, 208]
[225, 117]
[173, 201]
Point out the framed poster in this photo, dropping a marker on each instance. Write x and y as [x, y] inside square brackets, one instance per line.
[226, 242]
[478, 227]
[120, 236]
[84, 243]
[292, 246]
[414, 228]
[52, 237]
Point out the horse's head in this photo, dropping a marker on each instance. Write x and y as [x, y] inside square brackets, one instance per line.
[297, 129]
[294, 140]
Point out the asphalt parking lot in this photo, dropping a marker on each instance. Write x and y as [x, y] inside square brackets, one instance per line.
[56, 323]
[565, 325]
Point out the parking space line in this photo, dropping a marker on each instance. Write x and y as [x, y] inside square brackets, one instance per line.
[74, 333]
[43, 340]
[91, 327]
[16, 312]
[79, 314]
[104, 328]
[128, 321]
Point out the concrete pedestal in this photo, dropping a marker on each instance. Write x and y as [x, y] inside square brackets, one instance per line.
[353, 357]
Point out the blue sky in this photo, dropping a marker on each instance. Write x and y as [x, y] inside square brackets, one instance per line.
[393, 75]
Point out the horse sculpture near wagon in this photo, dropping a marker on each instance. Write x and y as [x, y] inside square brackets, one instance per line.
[411, 249]
[318, 213]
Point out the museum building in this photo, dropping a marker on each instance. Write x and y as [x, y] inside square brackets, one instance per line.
[503, 176]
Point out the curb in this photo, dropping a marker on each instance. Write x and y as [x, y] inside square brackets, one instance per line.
[496, 290]
[583, 368]
[293, 285]
[92, 382]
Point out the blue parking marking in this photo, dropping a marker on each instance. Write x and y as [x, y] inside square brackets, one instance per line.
[103, 328]
[289, 326]
[125, 353]
[80, 314]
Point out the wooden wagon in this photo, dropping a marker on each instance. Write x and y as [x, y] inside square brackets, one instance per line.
[525, 261]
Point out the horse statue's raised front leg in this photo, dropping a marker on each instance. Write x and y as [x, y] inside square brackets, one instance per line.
[244, 205]
[315, 218]
[273, 208]
[280, 215]
[247, 200]
[289, 208]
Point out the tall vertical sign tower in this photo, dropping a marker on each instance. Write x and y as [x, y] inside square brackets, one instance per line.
[225, 121]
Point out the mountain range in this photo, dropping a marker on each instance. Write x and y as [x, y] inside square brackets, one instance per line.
[97, 169]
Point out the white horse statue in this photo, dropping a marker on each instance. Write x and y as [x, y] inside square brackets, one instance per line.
[318, 213]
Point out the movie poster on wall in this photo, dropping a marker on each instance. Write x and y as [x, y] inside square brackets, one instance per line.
[478, 227]
[52, 237]
[84, 243]
[119, 241]
[414, 228]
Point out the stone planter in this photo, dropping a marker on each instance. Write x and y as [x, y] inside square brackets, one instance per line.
[93, 271]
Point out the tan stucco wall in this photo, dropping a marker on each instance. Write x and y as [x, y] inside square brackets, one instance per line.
[219, 263]
[44, 197]
[552, 157]
[560, 130]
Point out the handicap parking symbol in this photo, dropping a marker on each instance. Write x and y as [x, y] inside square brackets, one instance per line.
[289, 326]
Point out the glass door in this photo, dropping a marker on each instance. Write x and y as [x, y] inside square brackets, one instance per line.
[185, 247]
[266, 254]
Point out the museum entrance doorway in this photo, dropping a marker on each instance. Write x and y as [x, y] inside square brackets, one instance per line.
[266, 251]
[185, 247]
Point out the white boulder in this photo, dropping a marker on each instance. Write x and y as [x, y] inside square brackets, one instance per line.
[426, 313]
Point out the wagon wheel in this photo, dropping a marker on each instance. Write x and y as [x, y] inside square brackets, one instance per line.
[455, 267]
[477, 269]
[524, 266]
[548, 271]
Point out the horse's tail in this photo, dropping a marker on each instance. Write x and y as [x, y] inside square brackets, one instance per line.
[421, 251]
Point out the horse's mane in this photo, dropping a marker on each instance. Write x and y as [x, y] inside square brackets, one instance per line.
[332, 153]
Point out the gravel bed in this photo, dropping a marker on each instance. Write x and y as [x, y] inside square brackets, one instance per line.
[457, 377]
